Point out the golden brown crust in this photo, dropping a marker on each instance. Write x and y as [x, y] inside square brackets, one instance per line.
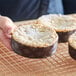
[73, 15]
[44, 32]
[61, 23]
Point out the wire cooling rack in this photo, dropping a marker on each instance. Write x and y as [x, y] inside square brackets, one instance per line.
[59, 64]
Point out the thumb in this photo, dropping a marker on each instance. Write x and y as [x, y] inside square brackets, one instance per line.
[9, 31]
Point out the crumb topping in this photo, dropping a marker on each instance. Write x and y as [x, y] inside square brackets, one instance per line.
[35, 35]
[58, 22]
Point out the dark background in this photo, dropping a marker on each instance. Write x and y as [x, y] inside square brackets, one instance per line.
[69, 6]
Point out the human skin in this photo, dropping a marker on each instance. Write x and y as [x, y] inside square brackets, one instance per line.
[6, 28]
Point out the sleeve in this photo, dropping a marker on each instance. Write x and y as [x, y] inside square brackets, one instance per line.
[43, 7]
[55, 7]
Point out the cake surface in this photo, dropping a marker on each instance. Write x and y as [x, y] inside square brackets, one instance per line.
[35, 35]
[61, 23]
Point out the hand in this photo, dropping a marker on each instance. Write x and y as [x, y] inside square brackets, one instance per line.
[6, 28]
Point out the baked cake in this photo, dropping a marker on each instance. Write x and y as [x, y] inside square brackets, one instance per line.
[64, 25]
[36, 41]
[72, 45]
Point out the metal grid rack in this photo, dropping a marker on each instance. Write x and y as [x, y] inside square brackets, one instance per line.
[59, 64]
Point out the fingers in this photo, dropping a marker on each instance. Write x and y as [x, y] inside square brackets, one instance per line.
[5, 41]
[6, 28]
[7, 25]
[9, 30]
